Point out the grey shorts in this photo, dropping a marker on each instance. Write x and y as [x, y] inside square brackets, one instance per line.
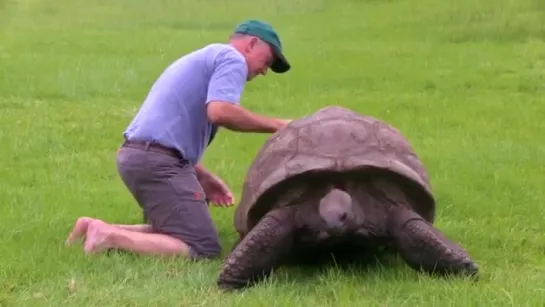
[171, 197]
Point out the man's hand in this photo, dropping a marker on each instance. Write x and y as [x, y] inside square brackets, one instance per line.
[215, 189]
[285, 122]
[218, 192]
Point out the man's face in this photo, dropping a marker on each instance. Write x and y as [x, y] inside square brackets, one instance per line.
[259, 56]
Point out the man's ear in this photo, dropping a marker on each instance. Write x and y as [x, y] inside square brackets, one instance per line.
[253, 42]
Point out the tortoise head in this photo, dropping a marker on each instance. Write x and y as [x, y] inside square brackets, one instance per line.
[339, 212]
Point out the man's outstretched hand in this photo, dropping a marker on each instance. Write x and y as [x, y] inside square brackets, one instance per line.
[217, 192]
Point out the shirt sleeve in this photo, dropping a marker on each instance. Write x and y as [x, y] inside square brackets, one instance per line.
[228, 79]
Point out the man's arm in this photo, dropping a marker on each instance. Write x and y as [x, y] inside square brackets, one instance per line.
[236, 118]
[201, 172]
[224, 93]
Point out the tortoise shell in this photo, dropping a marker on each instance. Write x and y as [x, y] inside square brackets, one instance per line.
[332, 140]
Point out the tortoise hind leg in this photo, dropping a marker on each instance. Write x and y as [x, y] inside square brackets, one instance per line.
[423, 246]
[256, 255]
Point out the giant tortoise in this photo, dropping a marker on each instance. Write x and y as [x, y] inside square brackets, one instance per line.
[337, 177]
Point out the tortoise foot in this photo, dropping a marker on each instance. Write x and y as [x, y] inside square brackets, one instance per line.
[425, 248]
[259, 252]
[231, 284]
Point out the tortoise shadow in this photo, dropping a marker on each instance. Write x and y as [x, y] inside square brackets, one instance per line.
[305, 266]
[363, 263]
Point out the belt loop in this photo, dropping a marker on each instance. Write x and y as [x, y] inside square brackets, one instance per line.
[147, 145]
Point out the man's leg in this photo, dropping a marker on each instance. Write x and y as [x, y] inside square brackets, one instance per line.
[102, 236]
[82, 224]
[174, 203]
[136, 228]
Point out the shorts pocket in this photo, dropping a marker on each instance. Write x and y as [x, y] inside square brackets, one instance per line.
[186, 185]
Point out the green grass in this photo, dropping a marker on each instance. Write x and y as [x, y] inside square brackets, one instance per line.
[464, 80]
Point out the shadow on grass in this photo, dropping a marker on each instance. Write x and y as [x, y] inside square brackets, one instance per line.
[316, 271]
[309, 268]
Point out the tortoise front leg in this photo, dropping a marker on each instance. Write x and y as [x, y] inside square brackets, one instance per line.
[255, 256]
[423, 246]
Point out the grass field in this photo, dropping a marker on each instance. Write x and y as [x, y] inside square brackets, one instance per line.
[464, 80]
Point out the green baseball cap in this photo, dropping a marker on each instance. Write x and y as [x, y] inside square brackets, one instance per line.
[265, 32]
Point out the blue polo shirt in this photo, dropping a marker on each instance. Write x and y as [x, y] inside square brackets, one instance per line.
[174, 111]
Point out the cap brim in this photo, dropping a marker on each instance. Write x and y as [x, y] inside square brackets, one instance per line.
[281, 64]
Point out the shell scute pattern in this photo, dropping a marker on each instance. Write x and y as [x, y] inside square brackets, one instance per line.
[333, 139]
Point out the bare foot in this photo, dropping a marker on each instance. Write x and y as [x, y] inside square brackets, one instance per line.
[79, 230]
[98, 234]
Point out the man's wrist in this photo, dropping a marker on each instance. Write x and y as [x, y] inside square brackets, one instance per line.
[280, 123]
[202, 173]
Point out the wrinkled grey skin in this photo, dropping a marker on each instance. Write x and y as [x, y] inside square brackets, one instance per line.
[336, 178]
[339, 212]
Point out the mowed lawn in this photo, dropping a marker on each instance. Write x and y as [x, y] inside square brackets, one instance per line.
[464, 80]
